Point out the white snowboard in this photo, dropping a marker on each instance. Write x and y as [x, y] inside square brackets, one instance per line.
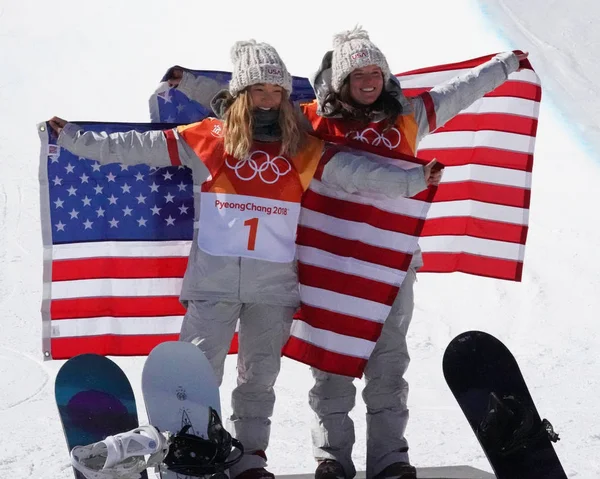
[178, 384]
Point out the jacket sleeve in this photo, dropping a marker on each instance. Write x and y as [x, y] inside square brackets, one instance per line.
[446, 100]
[130, 147]
[354, 173]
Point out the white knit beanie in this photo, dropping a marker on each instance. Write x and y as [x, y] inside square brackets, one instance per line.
[257, 63]
[352, 49]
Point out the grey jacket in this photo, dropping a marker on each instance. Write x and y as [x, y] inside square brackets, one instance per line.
[227, 278]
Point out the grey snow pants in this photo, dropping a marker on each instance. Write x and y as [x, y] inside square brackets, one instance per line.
[385, 394]
[263, 330]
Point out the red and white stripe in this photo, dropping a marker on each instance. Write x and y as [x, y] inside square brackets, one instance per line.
[115, 298]
[353, 254]
[479, 219]
[350, 259]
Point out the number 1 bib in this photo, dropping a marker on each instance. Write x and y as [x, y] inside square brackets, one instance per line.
[250, 207]
[248, 226]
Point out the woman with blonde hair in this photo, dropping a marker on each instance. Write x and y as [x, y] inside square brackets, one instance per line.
[250, 169]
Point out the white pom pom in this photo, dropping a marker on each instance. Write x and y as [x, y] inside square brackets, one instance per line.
[356, 33]
[238, 47]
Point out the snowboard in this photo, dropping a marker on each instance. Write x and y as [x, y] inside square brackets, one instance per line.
[486, 381]
[94, 400]
[178, 385]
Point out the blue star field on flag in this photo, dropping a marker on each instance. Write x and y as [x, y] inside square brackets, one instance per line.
[93, 202]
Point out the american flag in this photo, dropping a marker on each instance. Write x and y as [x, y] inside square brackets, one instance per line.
[477, 223]
[116, 242]
[479, 220]
[353, 253]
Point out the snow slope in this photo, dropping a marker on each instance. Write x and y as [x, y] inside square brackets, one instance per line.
[563, 40]
[100, 61]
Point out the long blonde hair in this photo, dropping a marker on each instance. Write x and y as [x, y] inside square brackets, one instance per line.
[238, 125]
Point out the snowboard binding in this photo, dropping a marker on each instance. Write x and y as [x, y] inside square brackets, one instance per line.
[121, 456]
[191, 455]
[510, 427]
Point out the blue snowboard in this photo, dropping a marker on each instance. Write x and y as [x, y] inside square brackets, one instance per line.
[94, 400]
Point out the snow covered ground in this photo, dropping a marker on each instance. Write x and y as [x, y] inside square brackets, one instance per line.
[100, 61]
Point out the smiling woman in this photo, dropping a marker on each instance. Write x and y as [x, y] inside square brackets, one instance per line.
[366, 84]
[273, 117]
[249, 156]
[266, 96]
[360, 101]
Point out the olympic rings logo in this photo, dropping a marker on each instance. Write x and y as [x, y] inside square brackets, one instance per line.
[269, 170]
[391, 138]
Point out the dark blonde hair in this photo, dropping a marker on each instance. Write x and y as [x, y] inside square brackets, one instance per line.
[238, 126]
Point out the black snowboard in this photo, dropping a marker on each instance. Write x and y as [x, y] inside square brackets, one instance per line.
[489, 387]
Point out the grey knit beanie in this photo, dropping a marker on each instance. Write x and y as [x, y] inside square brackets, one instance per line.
[352, 49]
[257, 63]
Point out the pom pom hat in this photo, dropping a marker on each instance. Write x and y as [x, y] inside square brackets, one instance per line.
[353, 49]
[257, 63]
